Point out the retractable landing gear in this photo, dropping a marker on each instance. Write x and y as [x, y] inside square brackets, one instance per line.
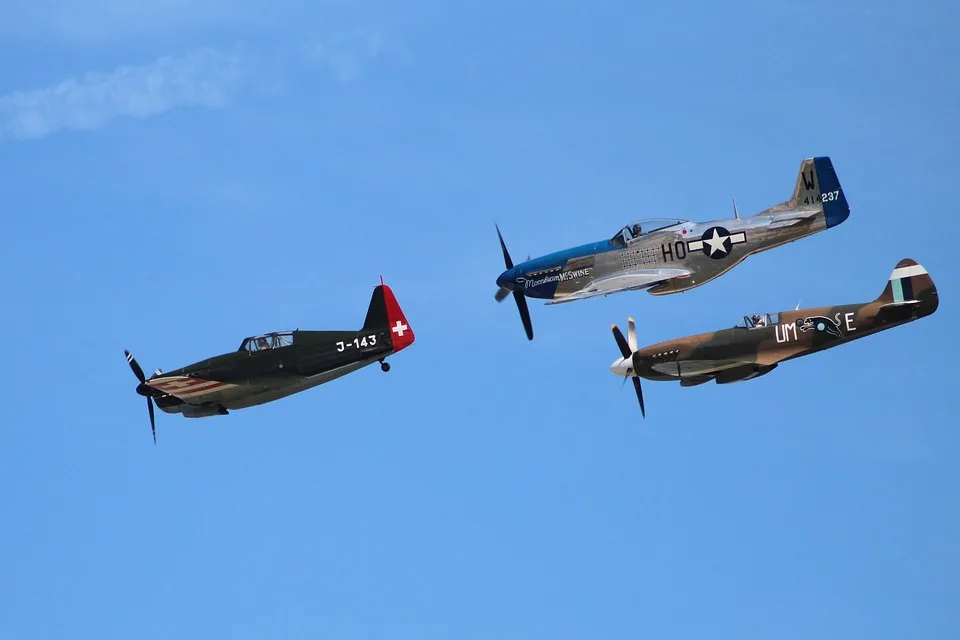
[384, 366]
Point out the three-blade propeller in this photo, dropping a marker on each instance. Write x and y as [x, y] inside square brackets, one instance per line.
[137, 371]
[627, 348]
[517, 295]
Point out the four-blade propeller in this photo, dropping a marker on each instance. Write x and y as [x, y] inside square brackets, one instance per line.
[517, 295]
[142, 390]
[627, 348]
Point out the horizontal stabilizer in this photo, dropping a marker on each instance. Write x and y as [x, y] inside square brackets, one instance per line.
[780, 220]
[904, 303]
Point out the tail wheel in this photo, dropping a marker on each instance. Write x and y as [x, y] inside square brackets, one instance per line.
[384, 366]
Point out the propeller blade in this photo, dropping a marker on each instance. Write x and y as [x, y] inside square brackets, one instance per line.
[518, 296]
[618, 336]
[501, 295]
[524, 313]
[631, 335]
[506, 254]
[137, 371]
[636, 385]
[626, 352]
[153, 425]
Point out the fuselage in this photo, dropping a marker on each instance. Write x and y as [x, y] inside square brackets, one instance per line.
[248, 377]
[706, 249]
[749, 350]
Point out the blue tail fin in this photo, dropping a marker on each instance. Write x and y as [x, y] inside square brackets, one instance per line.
[817, 185]
[830, 193]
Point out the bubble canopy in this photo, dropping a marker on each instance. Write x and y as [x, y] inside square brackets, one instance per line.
[639, 228]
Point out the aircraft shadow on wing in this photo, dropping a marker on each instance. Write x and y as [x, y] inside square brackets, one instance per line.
[668, 255]
[275, 365]
[760, 342]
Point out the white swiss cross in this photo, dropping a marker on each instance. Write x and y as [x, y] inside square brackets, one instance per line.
[399, 328]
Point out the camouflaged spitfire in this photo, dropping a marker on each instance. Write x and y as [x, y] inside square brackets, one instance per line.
[759, 342]
[669, 255]
[275, 365]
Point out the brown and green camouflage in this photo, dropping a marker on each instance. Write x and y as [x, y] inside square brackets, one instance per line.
[760, 342]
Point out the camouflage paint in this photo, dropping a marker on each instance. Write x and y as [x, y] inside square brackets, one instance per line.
[741, 353]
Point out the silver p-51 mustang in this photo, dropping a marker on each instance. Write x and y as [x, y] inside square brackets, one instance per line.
[667, 255]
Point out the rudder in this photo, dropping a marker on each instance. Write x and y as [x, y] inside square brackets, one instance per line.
[909, 283]
[830, 193]
[385, 313]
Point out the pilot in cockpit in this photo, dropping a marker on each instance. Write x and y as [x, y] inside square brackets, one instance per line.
[636, 231]
[759, 321]
[262, 344]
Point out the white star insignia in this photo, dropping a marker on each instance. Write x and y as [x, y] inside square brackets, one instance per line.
[716, 243]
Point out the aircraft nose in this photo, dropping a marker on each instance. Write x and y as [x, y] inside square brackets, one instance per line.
[505, 280]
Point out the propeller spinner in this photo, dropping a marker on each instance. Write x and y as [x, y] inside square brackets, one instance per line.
[142, 390]
[627, 348]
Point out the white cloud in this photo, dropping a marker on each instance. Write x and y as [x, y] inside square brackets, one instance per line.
[345, 54]
[205, 78]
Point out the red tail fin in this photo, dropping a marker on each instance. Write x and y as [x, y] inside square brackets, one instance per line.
[400, 331]
[384, 312]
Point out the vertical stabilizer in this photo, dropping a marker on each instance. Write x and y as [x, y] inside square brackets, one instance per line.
[817, 186]
[384, 312]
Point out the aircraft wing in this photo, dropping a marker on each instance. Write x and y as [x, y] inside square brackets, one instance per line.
[193, 390]
[626, 281]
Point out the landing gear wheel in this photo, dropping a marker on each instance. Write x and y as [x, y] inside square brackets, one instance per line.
[384, 366]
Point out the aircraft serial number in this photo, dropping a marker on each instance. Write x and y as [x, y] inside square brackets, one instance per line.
[365, 341]
[828, 196]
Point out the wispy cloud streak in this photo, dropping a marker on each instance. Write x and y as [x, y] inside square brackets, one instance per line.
[207, 77]
[345, 54]
[204, 78]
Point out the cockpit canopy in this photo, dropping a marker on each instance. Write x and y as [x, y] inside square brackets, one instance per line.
[267, 341]
[642, 227]
[758, 320]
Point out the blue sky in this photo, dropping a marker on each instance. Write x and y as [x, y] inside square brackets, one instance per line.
[180, 174]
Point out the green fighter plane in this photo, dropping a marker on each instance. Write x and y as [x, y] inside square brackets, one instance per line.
[759, 342]
[275, 365]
